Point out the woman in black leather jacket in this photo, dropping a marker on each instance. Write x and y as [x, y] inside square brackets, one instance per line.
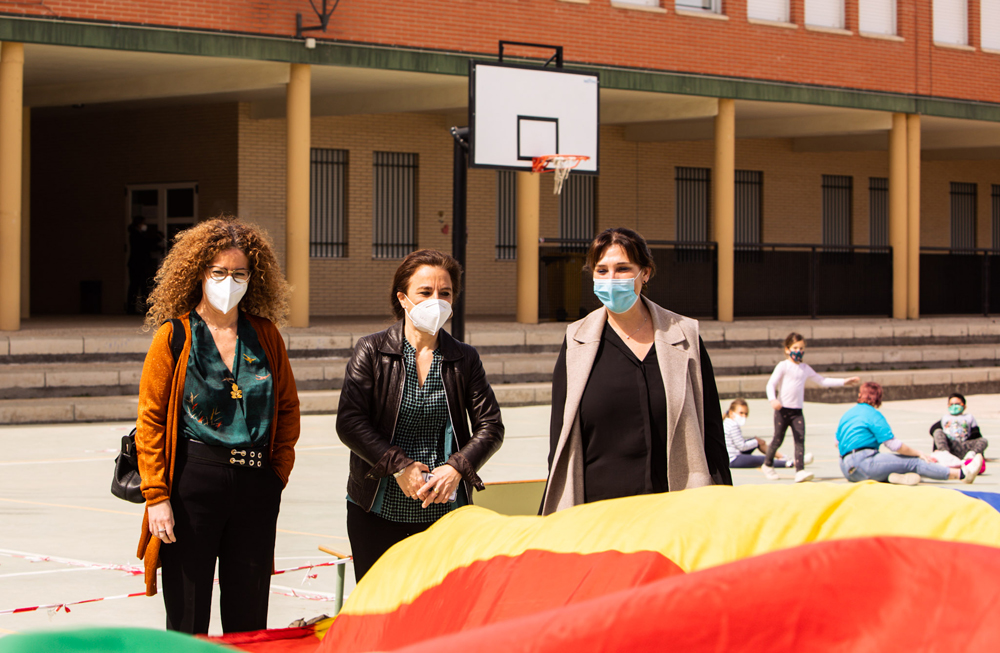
[403, 408]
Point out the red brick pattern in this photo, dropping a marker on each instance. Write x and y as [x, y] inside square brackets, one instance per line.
[596, 32]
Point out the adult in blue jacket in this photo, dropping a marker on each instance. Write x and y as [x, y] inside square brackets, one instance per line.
[863, 429]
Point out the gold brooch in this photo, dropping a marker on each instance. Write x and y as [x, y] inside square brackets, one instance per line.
[237, 393]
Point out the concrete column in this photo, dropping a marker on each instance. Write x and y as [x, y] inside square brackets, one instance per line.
[527, 247]
[26, 214]
[913, 215]
[723, 190]
[11, 100]
[897, 214]
[297, 193]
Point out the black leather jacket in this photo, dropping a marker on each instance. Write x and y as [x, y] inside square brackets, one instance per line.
[369, 406]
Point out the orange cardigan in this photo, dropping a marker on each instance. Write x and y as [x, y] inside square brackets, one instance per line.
[160, 395]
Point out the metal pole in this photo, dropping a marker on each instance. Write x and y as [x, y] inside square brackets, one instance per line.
[459, 233]
[338, 590]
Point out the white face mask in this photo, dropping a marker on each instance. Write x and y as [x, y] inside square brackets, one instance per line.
[224, 295]
[429, 315]
[740, 419]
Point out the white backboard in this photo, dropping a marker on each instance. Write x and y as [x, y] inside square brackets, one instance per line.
[517, 112]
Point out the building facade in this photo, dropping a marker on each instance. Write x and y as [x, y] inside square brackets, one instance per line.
[785, 157]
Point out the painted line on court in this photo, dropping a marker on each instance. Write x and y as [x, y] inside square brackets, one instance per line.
[48, 571]
[331, 537]
[65, 505]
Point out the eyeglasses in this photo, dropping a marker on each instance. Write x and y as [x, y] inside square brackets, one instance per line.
[218, 273]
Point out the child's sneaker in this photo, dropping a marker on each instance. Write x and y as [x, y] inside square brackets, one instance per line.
[972, 468]
[802, 476]
[909, 478]
[807, 458]
[769, 473]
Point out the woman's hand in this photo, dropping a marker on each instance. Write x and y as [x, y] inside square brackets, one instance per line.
[161, 521]
[443, 482]
[854, 380]
[926, 458]
[775, 404]
[412, 479]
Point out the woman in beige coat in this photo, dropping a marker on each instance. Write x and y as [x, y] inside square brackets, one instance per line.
[635, 409]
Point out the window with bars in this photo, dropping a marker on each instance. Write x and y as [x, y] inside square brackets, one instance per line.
[878, 211]
[506, 215]
[749, 205]
[577, 207]
[963, 215]
[328, 203]
[996, 216]
[837, 201]
[693, 186]
[394, 205]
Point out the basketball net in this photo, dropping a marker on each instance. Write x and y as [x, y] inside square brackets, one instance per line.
[560, 164]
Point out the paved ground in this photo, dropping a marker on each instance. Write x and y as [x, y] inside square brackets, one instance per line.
[54, 501]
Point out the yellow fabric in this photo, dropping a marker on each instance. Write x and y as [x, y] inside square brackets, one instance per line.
[696, 529]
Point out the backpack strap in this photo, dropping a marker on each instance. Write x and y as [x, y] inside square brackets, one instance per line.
[177, 340]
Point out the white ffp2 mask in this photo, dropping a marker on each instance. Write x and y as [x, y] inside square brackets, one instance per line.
[430, 315]
[226, 294]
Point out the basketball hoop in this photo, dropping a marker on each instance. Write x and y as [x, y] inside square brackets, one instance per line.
[560, 164]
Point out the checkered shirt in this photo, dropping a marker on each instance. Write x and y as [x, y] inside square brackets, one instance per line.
[420, 432]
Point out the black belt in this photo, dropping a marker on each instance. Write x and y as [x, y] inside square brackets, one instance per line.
[246, 457]
[857, 450]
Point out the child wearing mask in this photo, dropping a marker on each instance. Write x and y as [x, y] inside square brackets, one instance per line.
[740, 448]
[786, 391]
[957, 432]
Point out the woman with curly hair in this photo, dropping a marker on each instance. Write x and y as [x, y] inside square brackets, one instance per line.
[217, 427]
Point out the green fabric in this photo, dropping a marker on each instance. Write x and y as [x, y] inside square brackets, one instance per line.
[214, 413]
[107, 640]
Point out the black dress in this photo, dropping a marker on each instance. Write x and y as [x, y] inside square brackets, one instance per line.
[624, 423]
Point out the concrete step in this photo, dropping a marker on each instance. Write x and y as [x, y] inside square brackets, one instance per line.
[898, 384]
[78, 340]
[38, 380]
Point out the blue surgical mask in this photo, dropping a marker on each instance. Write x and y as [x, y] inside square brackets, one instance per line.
[956, 409]
[617, 295]
[796, 354]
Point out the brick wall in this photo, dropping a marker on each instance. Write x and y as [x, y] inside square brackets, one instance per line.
[81, 161]
[596, 32]
[636, 188]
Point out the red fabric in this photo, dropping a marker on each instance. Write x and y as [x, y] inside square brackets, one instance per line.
[275, 640]
[497, 590]
[872, 594]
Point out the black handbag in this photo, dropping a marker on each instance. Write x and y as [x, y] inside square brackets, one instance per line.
[126, 483]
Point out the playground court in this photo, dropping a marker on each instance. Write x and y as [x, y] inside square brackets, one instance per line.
[54, 501]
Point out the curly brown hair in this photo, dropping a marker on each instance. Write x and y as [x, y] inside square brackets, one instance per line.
[178, 282]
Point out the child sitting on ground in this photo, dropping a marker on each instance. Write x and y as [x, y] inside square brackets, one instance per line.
[741, 448]
[957, 432]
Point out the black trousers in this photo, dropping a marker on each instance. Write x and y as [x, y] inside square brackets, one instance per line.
[227, 514]
[782, 420]
[371, 536]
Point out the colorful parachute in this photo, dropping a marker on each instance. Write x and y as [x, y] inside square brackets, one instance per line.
[817, 567]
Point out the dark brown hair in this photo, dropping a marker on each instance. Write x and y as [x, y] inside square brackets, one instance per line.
[737, 402]
[870, 393]
[793, 338]
[632, 243]
[416, 260]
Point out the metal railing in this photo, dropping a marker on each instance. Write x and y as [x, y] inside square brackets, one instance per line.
[685, 280]
[959, 281]
[787, 279]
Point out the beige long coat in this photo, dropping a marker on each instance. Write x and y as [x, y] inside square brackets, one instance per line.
[677, 351]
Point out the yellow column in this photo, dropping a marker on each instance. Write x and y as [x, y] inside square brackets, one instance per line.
[11, 91]
[26, 215]
[297, 193]
[724, 188]
[527, 247]
[897, 214]
[913, 214]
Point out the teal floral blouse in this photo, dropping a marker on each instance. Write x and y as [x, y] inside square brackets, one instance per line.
[226, 408]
